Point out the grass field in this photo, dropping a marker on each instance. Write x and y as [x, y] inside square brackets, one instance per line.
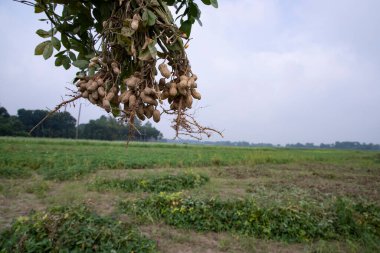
[217, 199]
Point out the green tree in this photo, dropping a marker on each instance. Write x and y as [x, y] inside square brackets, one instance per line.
[149, 133]
[10, 125]
[108, 128]
[104, 128]
[59, 125]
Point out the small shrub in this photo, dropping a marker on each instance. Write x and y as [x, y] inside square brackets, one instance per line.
[71, 229]
[164, 183]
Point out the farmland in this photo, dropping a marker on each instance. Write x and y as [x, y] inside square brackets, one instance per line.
[186, 198]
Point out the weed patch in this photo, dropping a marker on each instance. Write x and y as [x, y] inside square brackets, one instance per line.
[152, 183]
[38, 188]
[75, 229]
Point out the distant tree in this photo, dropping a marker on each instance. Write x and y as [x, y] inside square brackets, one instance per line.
[109, 128]
[325, 145]
[30, 118]
[4, 113]
[59, 125]
[104, 128]
[348, 145]
[10, 125]
[242, 144]
[149, 133]
[309, 145]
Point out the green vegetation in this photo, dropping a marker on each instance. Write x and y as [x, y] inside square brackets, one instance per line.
[289, 223]
[152, 183]
[62, 229]
[302, 200]
[7, 172]
[70, 159]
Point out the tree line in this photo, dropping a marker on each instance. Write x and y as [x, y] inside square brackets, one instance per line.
[337, 145]
[354, 145]
[63, 125]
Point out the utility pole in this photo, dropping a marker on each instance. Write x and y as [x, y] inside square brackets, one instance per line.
[77, 132]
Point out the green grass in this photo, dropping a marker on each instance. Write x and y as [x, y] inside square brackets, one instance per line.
[304, 200]
[70, 159]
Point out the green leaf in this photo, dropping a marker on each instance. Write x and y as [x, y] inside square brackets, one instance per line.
[39, 50]
[115, 110]
[145, 17]
[38, 8]
[82, 64]
[76, 30]
[186, 27]
[151, 18]
[214, 3]
[90, 56]
[43, 33]
[48, 51]
[194, 10]
[58, 61]
[66, 62]
[82, 56]
[199, 22]
[148, 18]
[170, 2]
[76, 46]
[60, 53]
[65, 41]
[72, 56]
[60, 1]
[206, 2]
[56, 43]
[176, 46]
[152, 50]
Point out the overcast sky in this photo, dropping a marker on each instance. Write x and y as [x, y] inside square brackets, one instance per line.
[278, 71]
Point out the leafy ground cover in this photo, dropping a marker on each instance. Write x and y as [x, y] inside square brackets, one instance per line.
[63, 229]
[152, 183]
[296, 189]
[290, 223]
